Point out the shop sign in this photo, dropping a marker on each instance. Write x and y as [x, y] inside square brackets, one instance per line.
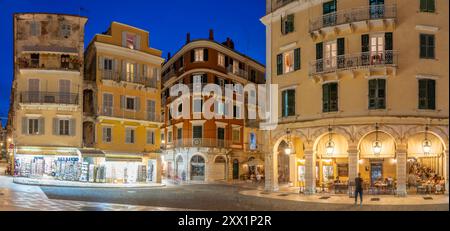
[67, 159]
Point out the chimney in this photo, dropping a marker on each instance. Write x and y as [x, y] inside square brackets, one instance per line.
[188, 38]
[211, 34]
[169, 56]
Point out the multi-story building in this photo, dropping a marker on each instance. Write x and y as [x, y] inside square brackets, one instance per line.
[2, 142]
[122, 101]
[363, 88]
[46, 113]
[197, 148]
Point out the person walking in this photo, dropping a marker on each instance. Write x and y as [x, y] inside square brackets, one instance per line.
[359, 189]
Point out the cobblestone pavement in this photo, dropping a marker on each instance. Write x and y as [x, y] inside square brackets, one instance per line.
[15, 197]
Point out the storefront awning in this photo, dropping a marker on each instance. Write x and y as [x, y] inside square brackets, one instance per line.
[46, 151]
[91, 153]
[123, 159]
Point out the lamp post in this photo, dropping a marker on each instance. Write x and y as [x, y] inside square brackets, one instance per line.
[377, 145]
[288, 149]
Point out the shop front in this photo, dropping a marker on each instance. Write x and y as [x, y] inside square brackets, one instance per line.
[48, 163]
[93, 166]
[125, 169]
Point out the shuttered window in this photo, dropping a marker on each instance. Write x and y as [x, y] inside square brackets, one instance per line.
[330, 97]
[279, 64]
[107, 135]
[151, 111]
[377, 94]
[297, 59]
[427, 94]
[428, 6]
[150, 137]
[197, 132]
[129, 136]
[288, 103]
[427, 46]
[287, 24]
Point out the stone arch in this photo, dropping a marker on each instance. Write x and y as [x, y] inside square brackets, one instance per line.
[342, 146]
[367, 130]
[435, 130]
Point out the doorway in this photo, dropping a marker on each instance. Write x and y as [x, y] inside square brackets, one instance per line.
[235, 169]
[376, 172]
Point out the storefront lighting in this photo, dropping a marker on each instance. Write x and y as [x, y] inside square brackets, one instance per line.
[330, 144]
[377, 145]
[426, 145]
[288, 149]
[9, 140]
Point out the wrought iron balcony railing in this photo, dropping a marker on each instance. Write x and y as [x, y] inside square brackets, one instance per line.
[354, 61]
[28, 63]
[123, 113]
[354, 15]
[129, 77]
[43, 97]
[239, 72]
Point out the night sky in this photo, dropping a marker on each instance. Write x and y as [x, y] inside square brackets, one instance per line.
[167, 21]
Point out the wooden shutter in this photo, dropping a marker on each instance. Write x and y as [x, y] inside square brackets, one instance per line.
[297, 59]
[431, 5]
[283, 25]
[365, 43]
[72, 127]
[124, 38]
[279, 64]
[205, 55]
[290, 19]
[372, 93]
[389, 45]
[431, 94]
[137, 42]
[137, 105]
[24, 125]
[192, 56]
[104, 133]
[122, 101]
[55, 126]
[325, 98]
[381, 94]
[291, 102]
[124, 70]
[340, 46]
[41, 126]
[319, 51]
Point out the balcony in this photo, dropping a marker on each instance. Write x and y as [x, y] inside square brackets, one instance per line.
[238, 72]
[39, 64]
[276, 4]
[129, 77]
[120, 113]
[200, 142]
[352, 62]
[356, 18]
[42, 97]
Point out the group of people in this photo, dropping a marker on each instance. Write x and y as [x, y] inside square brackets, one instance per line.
[424, 177]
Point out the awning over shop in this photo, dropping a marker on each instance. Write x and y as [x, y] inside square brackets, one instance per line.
[91, 153]
[127, 157]
[46, 151]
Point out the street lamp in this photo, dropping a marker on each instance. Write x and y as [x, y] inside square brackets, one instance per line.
[377, 145]
[288, 149]
[426, 145]
[330, 144]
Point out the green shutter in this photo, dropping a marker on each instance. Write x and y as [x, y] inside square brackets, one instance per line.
[389, 44]
[431, 5]
[431, 94]
[365, 43]
[291, 102]
[297, 59]
[340, 46]
[290, 23]
[319, 51]
[372, 93]
[325, 98]
[422, 94]
[423, 5]
[283, 104]
[279, 64]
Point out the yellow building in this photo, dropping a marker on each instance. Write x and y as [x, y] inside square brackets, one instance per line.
[45, 114]
[363, 88]
[122, 101]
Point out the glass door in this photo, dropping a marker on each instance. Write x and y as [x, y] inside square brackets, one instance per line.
[330, 54]
[377, 49]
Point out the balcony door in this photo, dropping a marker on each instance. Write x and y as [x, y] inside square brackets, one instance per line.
[221, 137]
[377, 49]
[131, 72]
[330, 54]
[329, 13]
[64, 91]
[376, 9]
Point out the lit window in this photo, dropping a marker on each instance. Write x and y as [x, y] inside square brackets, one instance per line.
[131, 41]
[288, 60]
[130, 103]
[199, 55]
[221, 60]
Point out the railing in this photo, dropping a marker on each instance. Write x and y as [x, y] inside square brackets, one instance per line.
[354, 61]
[129, 114]
[42, 97]
[129, 77]
[353, 15]
[28, 63]
[280, 3]
[169, 75]
[239, 72]
[200, 142]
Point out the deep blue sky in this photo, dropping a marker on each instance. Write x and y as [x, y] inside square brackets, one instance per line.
[168, 21]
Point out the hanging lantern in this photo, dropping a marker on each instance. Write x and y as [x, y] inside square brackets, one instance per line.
[377, 145]
[426, 145]
[288, 149]
[329, 147]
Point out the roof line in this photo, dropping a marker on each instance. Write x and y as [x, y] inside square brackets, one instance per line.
[45, 13]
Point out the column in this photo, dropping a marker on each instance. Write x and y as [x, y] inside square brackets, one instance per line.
[353, 165]
[401, 170]
[158, 169]
[292, 169]
[271, 175]
[446, 167]
[310, 172]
